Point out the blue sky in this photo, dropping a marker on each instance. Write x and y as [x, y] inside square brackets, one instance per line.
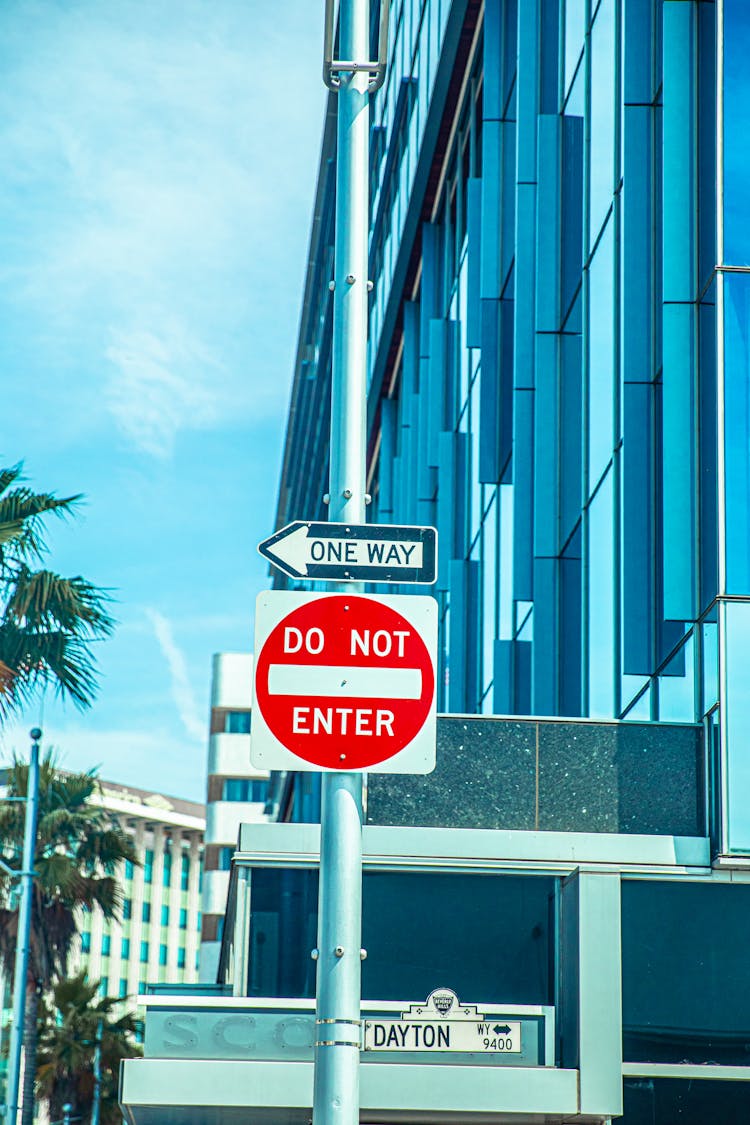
[159, 163]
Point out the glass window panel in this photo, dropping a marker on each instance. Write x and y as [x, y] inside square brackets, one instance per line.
[631, 685]
[106, 945]
[601, 608]
[737, 708]
[237, 722]
[666, 1101]
[710, 632]
[506, 563]
[736, 127]
[601, 345]
[685, 985]
[489, 589]
[602, 116]
[677, 687]
[405, 953]
[574, 20]
[737, 431]
[641, 709]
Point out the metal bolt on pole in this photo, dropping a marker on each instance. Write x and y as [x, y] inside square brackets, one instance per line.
[338, 1032]
[21, 969]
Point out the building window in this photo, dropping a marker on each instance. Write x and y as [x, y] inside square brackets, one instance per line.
[199, 922]
[224, 859]
[123, 989]
[183, 918]
[106, 945]
[167, 871]
[85, 942]
[129, 869]
[162, 954]
[146, 912]
[180, 958]
[185, 872]
[127, 909]
[237, 722]
[165, 915]
[244, 789]
[125, 948]
[144, 951]
[148, 865]
[104, 986]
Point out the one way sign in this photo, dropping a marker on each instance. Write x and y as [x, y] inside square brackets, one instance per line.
[346, 552]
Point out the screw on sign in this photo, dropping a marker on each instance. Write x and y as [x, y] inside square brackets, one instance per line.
[345, 682]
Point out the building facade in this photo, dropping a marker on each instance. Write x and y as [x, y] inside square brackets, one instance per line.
[558, 356]
[559, 381]
[157, 939]
[236, 792]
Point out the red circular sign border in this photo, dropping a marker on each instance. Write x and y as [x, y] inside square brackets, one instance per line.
[357, 758]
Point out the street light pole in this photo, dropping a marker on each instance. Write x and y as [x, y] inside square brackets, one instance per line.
[21, 969]
[338, 999]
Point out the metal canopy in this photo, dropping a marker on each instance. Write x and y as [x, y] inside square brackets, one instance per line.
[190, 1092]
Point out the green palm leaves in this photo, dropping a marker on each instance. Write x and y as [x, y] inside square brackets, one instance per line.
[73, 1022]
[47, 622]
[77, 855]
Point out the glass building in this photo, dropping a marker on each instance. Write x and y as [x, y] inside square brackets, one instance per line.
[559, 381]
[559, 362]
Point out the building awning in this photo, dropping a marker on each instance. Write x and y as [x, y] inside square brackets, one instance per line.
[225, 1092]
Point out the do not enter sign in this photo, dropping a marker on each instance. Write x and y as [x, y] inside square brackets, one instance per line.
[344, 682]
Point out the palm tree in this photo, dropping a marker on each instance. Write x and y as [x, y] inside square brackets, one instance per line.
[78, 850]
[72, 1021]
[47, 623]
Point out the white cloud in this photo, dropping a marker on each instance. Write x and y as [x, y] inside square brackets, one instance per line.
[182, 692]
[157, 758]
[157, 387]
[153, 157]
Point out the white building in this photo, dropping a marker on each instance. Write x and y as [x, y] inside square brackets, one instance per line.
[236, 792]
[157, 938]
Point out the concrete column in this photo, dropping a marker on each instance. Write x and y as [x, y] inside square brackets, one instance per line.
[157, 897]
[136, 925]
[94, 958]
[193, 909]
[175, 897]
[115, 929]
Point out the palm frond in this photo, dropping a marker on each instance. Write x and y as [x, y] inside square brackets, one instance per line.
[42, 600]
[23, 505]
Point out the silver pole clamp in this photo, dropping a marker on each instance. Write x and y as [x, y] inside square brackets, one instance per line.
[333, 68]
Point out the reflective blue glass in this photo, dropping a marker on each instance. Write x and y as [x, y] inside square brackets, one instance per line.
[489, 589]
[574, 26]
[710, 664]
[602, 121]
[677, 687]
[737, 431]
[601, 611]
[737, 710]
[601, 342]
[736, 130]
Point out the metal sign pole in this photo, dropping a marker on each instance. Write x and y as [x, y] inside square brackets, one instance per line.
[337, 1046]
[21, 967]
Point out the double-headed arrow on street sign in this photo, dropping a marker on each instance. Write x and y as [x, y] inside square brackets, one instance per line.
[345, 552]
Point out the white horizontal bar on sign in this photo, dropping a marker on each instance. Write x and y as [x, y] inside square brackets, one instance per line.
[354, 683]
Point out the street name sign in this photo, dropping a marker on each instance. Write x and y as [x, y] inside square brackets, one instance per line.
[344, 682]
[443, 1023]
[346, 552]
